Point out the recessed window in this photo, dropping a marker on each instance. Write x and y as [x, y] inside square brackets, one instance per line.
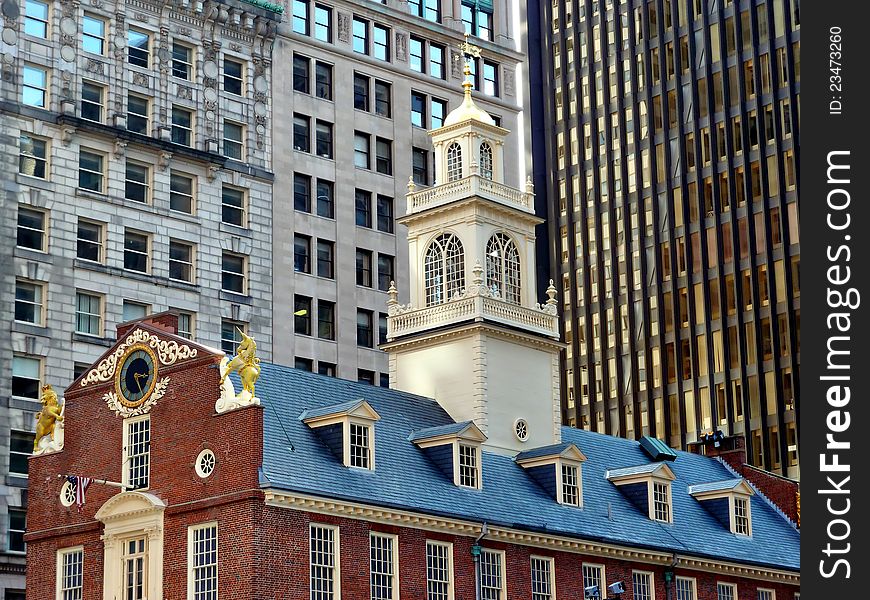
[137, 452]
[301, 192]
[741, 516]
[182, 126]
[92, 102]
[302, 315]
[381, 45]
[570, 484]
[365, 376]
[182, 61]
[384, 156]
[326, 368]
[181, 261]
[91, 165]
[26, 377]
[233, 273]
[205, 463]
[477, 19]
[360, 446]
[439, 112]
[136, 184]
[385, 213]
[324, 562]
[138, 48]
[323, 80]
[94, 35]
[418, 109]
[230, 336]
[186, 324]
[726, 591]
[29, 302]
[364, 328]
[436, 61]
[661, 502]
[503, 267]
[325, 199]
[303, 364]
[326, 320]
[70, 573]
[444, 265]
[134, 311]
[234, 72]
[490, 78]
[385, 271]
[383, 563]
[301, 79]
[420, 166]
[492, 576]
[326, 259]
[20, 447]
[361, 150]
[90, 241]
[301, 133]
[32, 156]
[360, 92]
[363, 208]
[31, 229]
[382, 339]
[300, 16]
[360, 35]
[202, 560]
[136, 251]
[181, 193]
[766, 594]
[302, 254]
[542, 578]
[36, 18]
[364, 267]
[322, 23]
[486, 160]
[34, 91]
[685, 589]
[323, 139]
[17, 528]
[469, 466]
[234, 135]
[383, 98]
[137, 114]
[233, 206]
[439, 570]
[593, 575]
[454, 162]
[416, 54]
[642, 583]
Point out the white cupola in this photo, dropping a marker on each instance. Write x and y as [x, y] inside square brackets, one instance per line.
[475, 336]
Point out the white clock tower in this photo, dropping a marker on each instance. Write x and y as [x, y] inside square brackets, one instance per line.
[474, 336]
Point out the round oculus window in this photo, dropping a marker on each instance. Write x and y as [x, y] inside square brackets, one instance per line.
[205, 463]
[521, 430]
[68, 494]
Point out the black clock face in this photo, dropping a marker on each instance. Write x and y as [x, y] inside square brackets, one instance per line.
[137, 377]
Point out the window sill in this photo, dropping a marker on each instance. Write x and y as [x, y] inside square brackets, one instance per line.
[18, 481]
[235, 230]
[92, 194]
[29, 328]
[92, 339]
[31, 254]
[29, 404]
[33, 181]
[235, 297]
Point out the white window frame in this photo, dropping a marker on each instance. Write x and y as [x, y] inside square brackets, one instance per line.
[190, 263]
[560, 482]
[99, 315]
[650, 576]
[448, 556]
[101, 104]
[191, 561]
[43, 90]
[145, 555]
[46, 24]
[41, 373]
[602, 578]
[101, 173]
[369, 427]
[393, 575]
[731, 586]
[243, 273]
[232, 143]
[457, 479]
[127, 456]
[732, 502]
[38, 303]
[693, 584]
[501, 591]
[652, 500]
[100, 243]
[147, 252]
[550, 582]
[190, 331]
[69, 593]
[28, 155]
[191, 196]
[766, 594]
[336, 563]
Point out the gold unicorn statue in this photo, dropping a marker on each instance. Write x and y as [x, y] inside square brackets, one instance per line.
[245, 363]
[46, 418]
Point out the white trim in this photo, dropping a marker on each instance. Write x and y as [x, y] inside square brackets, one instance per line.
[191, 590]
[61, 553]
[450, 579]
[652, 583]
[501, 566]
[602, 586]
[552, 573]
[694, 587]
[730, 584]
[125, 453]
[478, 476]
[198, 464]
[336, 558]
[394, 554]
[767, 590]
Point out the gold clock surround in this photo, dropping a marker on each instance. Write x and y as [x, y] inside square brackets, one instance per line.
[120, 370]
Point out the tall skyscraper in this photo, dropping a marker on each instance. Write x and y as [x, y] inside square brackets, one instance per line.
[240, 161]
[670, 158]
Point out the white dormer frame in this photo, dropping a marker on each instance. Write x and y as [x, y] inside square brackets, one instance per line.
[470, 436]
[571, 456]
[361, 414]
[662, 475]
[741, 491]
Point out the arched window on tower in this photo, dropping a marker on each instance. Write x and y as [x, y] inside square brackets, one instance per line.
[444, 269]
[485, 160]
[454, 162]
[503, 267]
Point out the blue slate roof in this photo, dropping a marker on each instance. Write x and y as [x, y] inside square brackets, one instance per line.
[550, 450]
[332, 409]
[430, 432]
[715, 486]
[635, 470]
[296, 460]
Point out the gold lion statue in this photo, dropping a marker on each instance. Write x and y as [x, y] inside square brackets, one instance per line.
[48, 416]
[245, 363]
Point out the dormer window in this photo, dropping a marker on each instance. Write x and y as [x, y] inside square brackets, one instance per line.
[347, 430]
[648, 487]
[454, 162]
[729, 502]
[455, 448]
[557, 469]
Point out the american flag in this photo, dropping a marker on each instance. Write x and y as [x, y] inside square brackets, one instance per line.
[81, 485]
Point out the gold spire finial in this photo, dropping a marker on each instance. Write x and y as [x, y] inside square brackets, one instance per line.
[469, 51]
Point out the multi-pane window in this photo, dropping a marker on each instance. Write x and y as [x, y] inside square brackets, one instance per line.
[202, 551]
[323, 139]
[138, 48]
[89, 241]
[137, 451]
[71, 575]
[360, 92]
[326, 320]
[29, 302]
[726, 591]
[416, 54]
[186, 325]
[542, 578]
[383, 562]
[503, 267]
[302, 315]
[469, 466]
[134, 567]
[385, 213]
[91, 166]
[436, 61]
[426, 57]
[234, 74]
[685, 588]
[325, 199]
[181, 261]
[438, 112]
[182, 126]
[17, 527]
[420, 166]
[92, 102]
[439, 571]
[326, 259]
[137, 114]
[642, 585]
[360, 35]
[182, 61]
[32, 156]
[384, 156]
[766, 594]
[454, 162]
[301, 78]
[302, 253]
[230, 335]
[385, 271]
[301, 192]
[360, 446]
[361, 150]
[382, 339]
[593, 575]
[381, 42]
[485, 161]
[661, 501]
[364, 267]
[36, 18]
[571, 485]
[233, 206]
[363, 208]
[444, 269]
[31, 229]
[135, 251]
[418, 109]
[34, 91]
[490, 78]
[233, 278]
[322, 23]
[326, 368]
[136, 182]
[26, 376]
[364, 328]
[234, 136]
[491, 575]
[134, 311]
[383, 98]
[323, 80]
[324, 583]
[477, 18]
[181, 192]
[300, 16]
[20, 447]
[741, 516]
[301, 133]
[303, 364]
[428, 9]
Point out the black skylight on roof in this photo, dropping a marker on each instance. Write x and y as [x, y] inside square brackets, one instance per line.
[657, 449]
